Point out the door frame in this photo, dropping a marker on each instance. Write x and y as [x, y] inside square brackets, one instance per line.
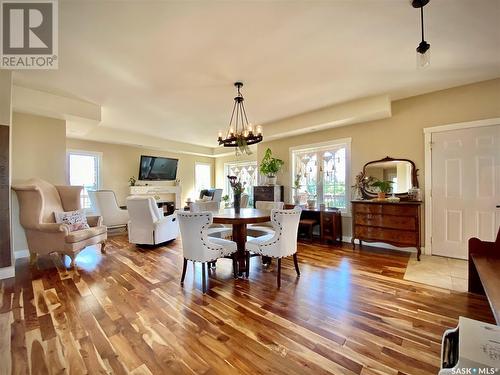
[428, 167]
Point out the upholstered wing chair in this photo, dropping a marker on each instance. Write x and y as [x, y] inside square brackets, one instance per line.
[105, 204]
[38, 200]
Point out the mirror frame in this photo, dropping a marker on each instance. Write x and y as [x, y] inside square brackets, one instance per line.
[403, 196]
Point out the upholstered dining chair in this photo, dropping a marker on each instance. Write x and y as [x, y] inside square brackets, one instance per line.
[147, 225]
[282, 243]
[262, 229]
[105, 204]
[197, 246]
[38, 201]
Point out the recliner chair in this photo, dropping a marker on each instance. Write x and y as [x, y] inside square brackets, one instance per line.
[105, 204]
[147, 225]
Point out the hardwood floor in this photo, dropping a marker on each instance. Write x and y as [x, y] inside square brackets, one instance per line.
[348, 313]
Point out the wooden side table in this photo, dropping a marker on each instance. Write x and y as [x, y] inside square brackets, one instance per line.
[331, 226]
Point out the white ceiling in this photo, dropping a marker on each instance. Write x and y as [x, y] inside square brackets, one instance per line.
[167, 68]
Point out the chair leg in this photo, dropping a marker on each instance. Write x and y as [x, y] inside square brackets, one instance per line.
[279, 273]
[203, 278]
[33, 258]
[235, 266]
[103, 247]
[296, 263]
[184, 271]
[213, 264]
[247, 270]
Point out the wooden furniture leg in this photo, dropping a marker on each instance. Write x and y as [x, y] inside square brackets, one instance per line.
[296, 264]
[279, 273]
[203, 278]
[247, 269]
[184, 267]
[235, 265]
[103, 247]
[240, 237]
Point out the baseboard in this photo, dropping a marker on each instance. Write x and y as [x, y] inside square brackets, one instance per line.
[7, 272]
[18, 254]
[384, 245]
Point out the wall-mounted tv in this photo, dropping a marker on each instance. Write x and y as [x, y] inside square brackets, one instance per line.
[154, 168]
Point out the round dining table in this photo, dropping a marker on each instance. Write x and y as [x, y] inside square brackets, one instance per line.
[239, 223]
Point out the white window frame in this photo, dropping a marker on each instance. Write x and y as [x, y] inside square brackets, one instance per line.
[96, 154]
[227, 188]
[318, 147]
[211, 175]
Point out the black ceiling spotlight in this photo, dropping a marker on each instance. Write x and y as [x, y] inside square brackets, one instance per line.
[423, 49]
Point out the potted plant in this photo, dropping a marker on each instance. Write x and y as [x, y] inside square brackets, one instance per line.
[270, 166]
[296, 187]
[225, 198]
[311, 201]
[132, 181]
[384, 187]
[238, 188]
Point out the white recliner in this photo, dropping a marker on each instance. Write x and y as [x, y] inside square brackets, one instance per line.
[282, 243]
[147, 225]
[197, 246]
[105, 204]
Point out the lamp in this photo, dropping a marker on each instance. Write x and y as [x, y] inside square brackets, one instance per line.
[242, 134]
[423, 49]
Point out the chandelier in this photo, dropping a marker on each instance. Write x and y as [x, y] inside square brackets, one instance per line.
[241, 134]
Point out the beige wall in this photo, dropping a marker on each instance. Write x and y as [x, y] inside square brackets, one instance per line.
[402, 134]
[120, 162]
[38, 150]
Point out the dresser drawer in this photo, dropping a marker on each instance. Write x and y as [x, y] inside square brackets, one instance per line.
[402, 237]
[386, 221]
[386, 209]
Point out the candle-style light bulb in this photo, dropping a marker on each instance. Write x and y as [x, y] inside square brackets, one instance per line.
[259, 130]
[231, 131]
[220, 134]
[250, 128]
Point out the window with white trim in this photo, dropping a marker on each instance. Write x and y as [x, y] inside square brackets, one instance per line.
[247, 172]
[202, 177]
[322, 171]
[84, 170]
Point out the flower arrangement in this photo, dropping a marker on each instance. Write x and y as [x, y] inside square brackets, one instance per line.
[361, 183]
[269, 166]
[132, 181]
[237, 186]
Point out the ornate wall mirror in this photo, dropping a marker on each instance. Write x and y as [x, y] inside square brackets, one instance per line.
[401, 172]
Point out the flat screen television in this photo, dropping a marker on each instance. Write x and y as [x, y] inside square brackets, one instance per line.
[154, 168]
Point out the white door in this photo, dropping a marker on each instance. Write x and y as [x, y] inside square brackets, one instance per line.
[465, 188]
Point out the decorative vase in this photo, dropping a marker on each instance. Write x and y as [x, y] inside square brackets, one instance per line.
[380, 195]
[237, 203]
[296, 199]
[271, 180]
[311, 203]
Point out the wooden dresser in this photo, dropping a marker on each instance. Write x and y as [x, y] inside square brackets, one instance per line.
[272, 193]
[397, 224]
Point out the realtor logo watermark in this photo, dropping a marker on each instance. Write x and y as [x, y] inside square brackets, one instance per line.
[29, 37]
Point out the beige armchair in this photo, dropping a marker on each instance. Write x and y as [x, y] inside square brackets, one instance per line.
[38, 200]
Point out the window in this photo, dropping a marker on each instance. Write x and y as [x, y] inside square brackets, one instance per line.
[202, 176]
[84, 170]
[247, 172]
[323, 172]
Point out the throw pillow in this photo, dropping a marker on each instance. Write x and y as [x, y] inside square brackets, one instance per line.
[75, 219]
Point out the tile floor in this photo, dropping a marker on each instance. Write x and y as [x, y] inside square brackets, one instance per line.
[438, 271]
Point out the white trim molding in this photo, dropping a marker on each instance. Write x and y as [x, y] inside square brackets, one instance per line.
[428, 167]
[319, 147]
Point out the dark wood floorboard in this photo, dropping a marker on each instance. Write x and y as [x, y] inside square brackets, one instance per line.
[125, 312]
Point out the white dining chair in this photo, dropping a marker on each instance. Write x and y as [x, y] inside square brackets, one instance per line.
[262, 229]
[197, 246]
[281, 243]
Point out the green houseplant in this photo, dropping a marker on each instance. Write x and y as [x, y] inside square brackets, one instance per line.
[270, 166]
[384, 187]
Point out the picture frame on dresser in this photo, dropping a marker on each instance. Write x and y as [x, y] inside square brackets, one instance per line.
[395, 220]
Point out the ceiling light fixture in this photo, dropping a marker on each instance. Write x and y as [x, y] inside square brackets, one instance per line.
[423, 49]
[242, 134]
